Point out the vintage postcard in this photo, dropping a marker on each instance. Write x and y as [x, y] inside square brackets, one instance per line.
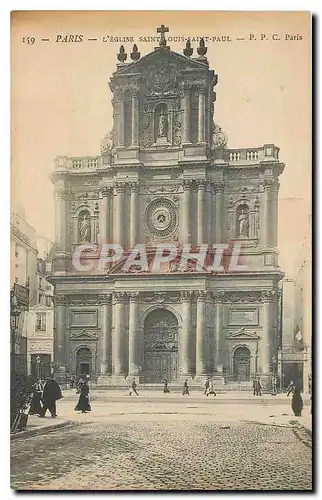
[161, 250]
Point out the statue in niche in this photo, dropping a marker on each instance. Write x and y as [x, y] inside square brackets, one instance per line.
[162, 124]
[85, 229]
[243, 224]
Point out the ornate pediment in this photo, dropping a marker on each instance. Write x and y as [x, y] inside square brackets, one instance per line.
[242, 334]
[83, 335]
[159, 57]
[40, 308]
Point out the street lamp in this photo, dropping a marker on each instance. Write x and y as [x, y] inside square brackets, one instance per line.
[38, 361]
[274, 376]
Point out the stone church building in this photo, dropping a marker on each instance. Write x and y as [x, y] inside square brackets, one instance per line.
[166, 175]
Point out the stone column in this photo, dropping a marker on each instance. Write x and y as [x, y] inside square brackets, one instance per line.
[201, 116]
[270, 213]
[186, 116]
[135, 119]
[265, 348]
[201, 211]
[104, 216]
[118, 341]
[60, 341]
[106, 312]
[134, 333]
[186, 219]
[119, 213]
[218, 298]
[201, 333]
[185, 336]
[61, 229]
[134, 186]
[219, 190]
[120, 119]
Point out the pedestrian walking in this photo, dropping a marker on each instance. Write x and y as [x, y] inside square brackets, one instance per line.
[257, 387]
[133, 388]
[83, 404]
[72, 382]
[185, 388]
[206, 387]
[290, 388]
[297, 402]
[51, 394]
[211, 389]
[35, 404]
[166, 389]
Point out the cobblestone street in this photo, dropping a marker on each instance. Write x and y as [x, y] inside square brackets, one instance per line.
[176, 445]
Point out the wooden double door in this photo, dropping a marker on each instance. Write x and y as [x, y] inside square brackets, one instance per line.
[160, 347]
[160, 365]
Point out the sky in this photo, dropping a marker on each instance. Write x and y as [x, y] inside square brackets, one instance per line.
[60, 98]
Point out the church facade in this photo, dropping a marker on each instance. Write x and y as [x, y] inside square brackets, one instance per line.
[165, 176]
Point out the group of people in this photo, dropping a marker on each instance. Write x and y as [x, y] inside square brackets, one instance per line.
[44, 397]
[46, 394]
[209, 388]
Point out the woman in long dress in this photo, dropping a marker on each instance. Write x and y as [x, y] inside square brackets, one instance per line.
[35, 405]
[83, 400]
[297, 402]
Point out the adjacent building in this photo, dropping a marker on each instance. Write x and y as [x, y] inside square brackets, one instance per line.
[23, 284]
[40, 327]
[165, 175]
[296, 349]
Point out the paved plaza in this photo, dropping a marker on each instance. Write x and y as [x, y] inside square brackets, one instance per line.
[157, 442]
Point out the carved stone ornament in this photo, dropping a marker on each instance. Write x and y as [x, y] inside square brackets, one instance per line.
[219, 138]
[108, 143]
[218, 296]
[269, 295]
[60, 300]
[202, 295]
[160, 298]
[119, 296]
[161, 78]
[187, 295]
[62, 194]
[161, 217]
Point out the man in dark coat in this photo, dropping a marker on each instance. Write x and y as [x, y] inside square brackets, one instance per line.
[185, 388]
[206, 387]
[133, 388]
[51, 394]
[166, 389]
[257, 386]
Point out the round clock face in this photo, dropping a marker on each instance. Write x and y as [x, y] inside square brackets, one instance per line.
[161, 217]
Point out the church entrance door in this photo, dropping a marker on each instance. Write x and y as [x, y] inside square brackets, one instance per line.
[242, 364]
[160, 347]
[83, 361]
